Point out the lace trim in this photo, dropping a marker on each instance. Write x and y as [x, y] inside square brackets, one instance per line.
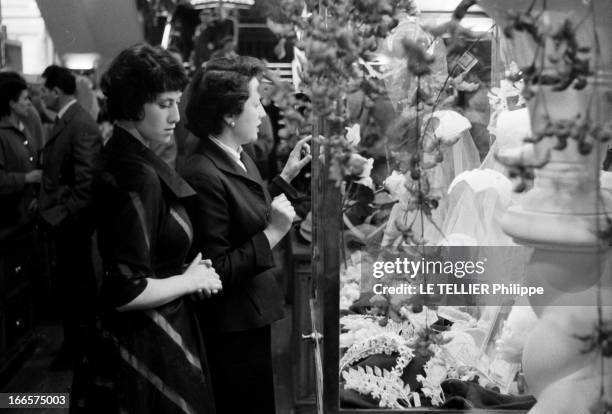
[385, 386]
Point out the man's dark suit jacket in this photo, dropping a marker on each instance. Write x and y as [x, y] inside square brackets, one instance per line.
[229, 214]
[68, 159]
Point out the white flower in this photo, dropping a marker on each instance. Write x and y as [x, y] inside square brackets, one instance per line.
[367, 168]
[436, 373]
[434, 392]
[353, 134]
[366, 182]
[355, 322]
[352, 273]
[357, 256]
[362, 168]
[450, 126]
[394, 184]
[349, 293]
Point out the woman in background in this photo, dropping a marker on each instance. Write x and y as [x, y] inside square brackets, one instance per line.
[158, 361]
[18, 157]
[237, 223]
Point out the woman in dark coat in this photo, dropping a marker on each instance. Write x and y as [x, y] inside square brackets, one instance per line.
[237, 221]
[18, 157]
[157, 357]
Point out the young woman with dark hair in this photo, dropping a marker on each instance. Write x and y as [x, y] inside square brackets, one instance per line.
[18, 157]
[158, 361]
[237, 222]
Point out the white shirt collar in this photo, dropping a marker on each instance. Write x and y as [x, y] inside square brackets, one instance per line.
[64, 108]
[233, 153]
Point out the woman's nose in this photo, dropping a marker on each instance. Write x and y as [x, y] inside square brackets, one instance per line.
[174, 116]
[261, 112]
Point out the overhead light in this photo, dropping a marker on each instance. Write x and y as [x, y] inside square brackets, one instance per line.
[81, 61]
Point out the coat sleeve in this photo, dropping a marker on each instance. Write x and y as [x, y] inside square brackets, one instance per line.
[86, 143]
[211, 216]
[127, 224]
[279, 186]
[10, 181]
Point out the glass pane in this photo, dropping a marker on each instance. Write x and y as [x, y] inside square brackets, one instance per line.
[410, 337]
[441, 183]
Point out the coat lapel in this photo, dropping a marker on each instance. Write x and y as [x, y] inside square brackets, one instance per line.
[173, 181]
[223, 161]
[63, 122]
[124, 146]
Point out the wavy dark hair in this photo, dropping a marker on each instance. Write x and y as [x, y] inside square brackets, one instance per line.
[57, 76]
[11, 86]
[219, 89]
[136, 76]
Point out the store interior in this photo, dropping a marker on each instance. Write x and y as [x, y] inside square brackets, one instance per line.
[470, 138]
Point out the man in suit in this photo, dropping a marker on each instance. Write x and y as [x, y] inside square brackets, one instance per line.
[68, 162]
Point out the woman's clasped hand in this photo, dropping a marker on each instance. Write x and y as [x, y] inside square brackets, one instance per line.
[205, 280]
[281, 218]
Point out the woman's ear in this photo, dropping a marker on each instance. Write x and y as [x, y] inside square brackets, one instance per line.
[12, 104]
[229, 121]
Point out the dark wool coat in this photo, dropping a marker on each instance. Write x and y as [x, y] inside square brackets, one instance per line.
[157, 357]
[229, 214]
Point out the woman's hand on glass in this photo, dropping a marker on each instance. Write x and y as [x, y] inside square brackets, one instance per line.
[298, 158]
[203, 278]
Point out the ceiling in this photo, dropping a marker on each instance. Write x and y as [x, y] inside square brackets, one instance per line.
[92, 26]
[105, 27]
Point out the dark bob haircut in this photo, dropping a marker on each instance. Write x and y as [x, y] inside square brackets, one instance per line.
[11, 86]
[136, 76]
[57, 76]
[220, 88]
